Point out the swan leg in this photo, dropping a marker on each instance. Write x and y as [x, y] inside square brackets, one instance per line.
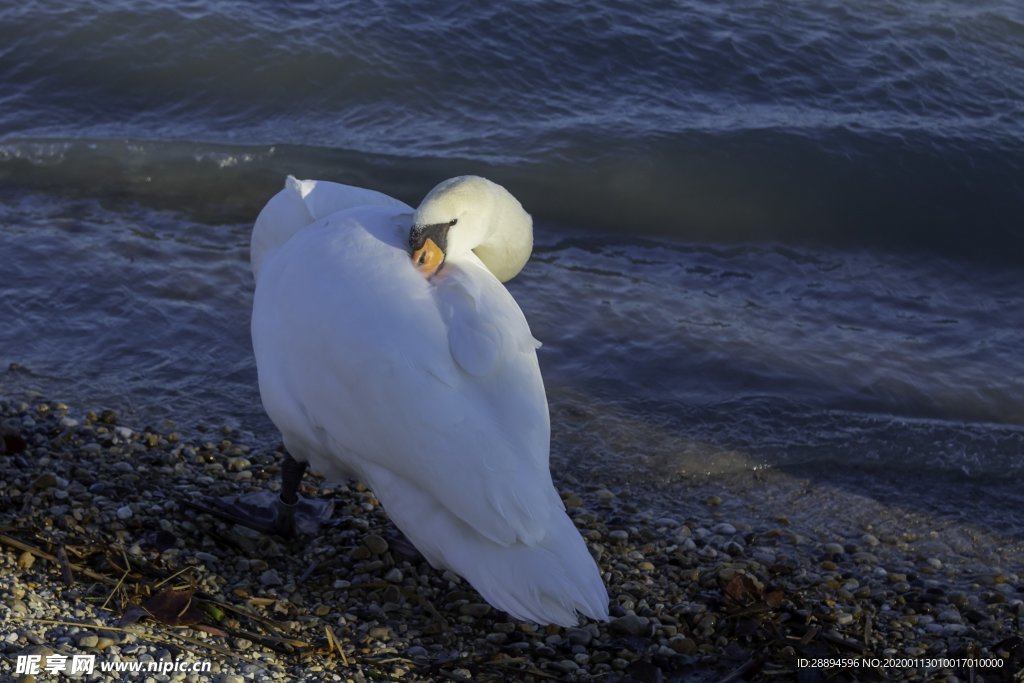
[285, 515]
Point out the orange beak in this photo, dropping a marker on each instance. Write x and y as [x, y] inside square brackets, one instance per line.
[428, 258]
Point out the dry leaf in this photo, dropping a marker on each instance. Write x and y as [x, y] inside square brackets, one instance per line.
[742, 589]
[173, 607]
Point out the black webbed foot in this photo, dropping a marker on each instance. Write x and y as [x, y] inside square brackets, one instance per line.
[286, 515]
[269, 514]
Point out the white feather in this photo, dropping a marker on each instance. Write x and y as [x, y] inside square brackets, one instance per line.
[428, 391]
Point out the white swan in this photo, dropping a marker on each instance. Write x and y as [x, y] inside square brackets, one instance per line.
[419, 377]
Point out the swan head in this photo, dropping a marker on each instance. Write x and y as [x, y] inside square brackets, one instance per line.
[471, 214]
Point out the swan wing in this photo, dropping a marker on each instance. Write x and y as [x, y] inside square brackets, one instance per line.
[364, 364]
[302, 202]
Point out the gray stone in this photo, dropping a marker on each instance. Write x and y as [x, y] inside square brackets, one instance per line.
[631, 624]
[376, 544]
[579, 636]
[88, 640]
[270, 578]
[475, 609]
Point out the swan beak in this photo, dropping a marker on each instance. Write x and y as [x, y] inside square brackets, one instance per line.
[428, 259]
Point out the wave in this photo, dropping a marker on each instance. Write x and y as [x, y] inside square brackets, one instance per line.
[754, 186]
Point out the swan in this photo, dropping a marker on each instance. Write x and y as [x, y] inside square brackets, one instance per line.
[389, 351]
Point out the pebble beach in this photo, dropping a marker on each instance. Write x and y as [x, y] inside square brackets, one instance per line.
[776, 272]
[98, 534]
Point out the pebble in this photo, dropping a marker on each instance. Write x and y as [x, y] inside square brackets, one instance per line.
[26, 560]
[565, 666]
[379, 633]
[376, 544]
[44, 481]
[88, 640]
[270, 578]
[238, 464]
[667, 575]
[125, 512]
[475, 609]
[631, 624]
[579, 636]
[683, 645]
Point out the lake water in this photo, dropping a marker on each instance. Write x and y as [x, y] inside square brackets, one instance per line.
[782, 236]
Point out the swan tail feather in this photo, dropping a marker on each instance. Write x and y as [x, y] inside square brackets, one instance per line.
[551, 581]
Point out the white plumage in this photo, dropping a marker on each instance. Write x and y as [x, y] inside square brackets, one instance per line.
[426, 390]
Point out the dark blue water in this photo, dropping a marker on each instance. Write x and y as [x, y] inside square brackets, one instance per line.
[886, 122]
[790, 231]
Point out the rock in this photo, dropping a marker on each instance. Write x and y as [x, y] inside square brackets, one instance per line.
[682, 645]
[631, 624]
[571, 500]
[379, 633]
[724, 529]
[124, 512]
[270, 578]
[26, 560]
[46, 480]
[475, 609]
[566, 666]
[88, 640]
[238, 464]
[579, 636]
[376, 544]
[394, 575]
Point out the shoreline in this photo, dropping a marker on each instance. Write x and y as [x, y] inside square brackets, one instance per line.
[710, 593]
